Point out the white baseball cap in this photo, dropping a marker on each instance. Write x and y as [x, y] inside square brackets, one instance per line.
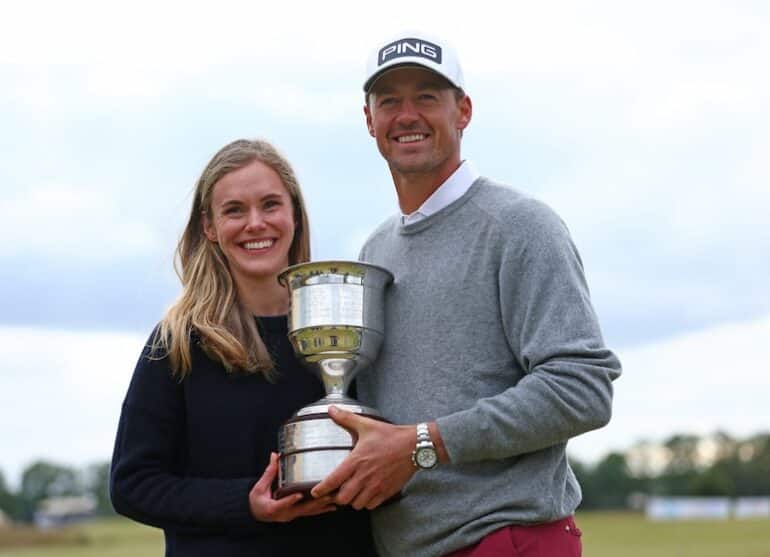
[414, 48]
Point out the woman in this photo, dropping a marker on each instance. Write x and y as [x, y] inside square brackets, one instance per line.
[194, 453]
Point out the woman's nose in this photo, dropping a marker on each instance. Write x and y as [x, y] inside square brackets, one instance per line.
[256, 220]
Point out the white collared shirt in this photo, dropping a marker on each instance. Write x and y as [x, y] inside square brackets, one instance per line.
[452, 189]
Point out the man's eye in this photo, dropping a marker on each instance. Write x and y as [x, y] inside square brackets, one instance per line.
[388, 101]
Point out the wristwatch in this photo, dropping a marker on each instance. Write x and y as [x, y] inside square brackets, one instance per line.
[424, 455]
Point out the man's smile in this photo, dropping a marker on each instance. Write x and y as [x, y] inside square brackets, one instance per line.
[411, 138]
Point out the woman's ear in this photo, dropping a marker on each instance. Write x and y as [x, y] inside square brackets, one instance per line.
[208, 227]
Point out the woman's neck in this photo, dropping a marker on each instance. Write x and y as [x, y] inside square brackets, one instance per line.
[263, 297]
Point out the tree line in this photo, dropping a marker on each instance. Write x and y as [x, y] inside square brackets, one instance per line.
[43, 479]
[714, 465]
[684, 465]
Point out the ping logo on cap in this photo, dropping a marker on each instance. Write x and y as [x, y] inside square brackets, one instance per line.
[409, 47]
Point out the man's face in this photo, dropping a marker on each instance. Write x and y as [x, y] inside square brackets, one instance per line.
[417, 121]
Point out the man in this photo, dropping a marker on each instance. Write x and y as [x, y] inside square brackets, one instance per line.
[491, 343]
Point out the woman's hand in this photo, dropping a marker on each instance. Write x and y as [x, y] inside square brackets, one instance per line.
[266, 509]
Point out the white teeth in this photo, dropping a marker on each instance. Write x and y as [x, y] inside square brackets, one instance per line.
[259, 245]
[410, 138]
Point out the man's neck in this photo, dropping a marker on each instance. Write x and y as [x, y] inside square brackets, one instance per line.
[413, 188]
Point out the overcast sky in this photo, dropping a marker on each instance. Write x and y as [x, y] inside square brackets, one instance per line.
[646, 126]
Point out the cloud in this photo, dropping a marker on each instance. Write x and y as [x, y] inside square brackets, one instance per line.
[78, 219]
[60, 394]
[74, 294]
[699, 382]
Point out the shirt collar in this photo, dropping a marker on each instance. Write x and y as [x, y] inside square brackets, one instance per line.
[452, 189]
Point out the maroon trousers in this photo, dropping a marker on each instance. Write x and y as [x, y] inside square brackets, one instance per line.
[553, 539]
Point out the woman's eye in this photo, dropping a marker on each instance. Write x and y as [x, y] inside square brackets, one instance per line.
[232, 210]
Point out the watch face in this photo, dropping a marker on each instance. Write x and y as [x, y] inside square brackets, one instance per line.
[426, 458]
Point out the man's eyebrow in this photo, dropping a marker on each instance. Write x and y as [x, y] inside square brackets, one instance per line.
[430, 84]
[383, 90]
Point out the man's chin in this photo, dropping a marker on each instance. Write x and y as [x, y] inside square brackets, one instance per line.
[412, 167]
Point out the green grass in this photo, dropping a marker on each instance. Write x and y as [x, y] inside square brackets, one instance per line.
[604, 535]
[631, 535]
[114, 537]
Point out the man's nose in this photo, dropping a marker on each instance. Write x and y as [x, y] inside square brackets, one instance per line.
[407, 113]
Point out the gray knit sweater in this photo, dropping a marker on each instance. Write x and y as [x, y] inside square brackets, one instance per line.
[490, 332]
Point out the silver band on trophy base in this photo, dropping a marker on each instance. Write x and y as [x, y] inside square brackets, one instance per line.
[336, 326]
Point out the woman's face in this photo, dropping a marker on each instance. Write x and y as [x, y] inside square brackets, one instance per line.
[252, 220]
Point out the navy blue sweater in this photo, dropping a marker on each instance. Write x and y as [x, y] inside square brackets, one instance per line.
[188, 452]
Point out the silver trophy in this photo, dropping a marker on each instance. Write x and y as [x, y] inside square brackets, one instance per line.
[336, 325]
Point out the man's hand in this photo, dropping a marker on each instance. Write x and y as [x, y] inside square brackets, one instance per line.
[266, 509]
[377, 468]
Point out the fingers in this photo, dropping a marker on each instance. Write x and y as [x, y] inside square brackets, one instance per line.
[343, 418]
[367, 495]
[296, 508]
[264, 483]
[282, 507]
[374, 498]
[314, 507]
[374, 503]
[377, 467]
[357, 425]
[363, 491]
[291, 507]
[266, 509]
[365, 499]
[333, 481]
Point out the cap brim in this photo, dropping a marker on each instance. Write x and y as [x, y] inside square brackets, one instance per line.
[370, 82]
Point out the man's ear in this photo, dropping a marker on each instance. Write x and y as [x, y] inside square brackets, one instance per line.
[369, 125]
[466, 112]
[208, 227]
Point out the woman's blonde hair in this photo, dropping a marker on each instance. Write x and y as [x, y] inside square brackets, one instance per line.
[209, 306]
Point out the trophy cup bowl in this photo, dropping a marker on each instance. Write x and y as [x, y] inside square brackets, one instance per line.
[336, 326]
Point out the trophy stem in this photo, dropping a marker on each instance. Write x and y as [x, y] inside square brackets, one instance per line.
[336, 374]
[337, 398]
[344, 402]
